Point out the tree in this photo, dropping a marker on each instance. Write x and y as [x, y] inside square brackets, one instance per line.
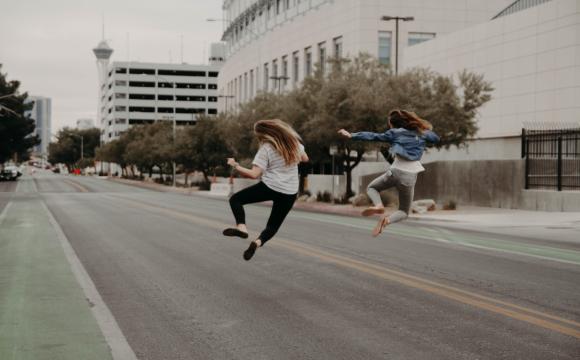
[16, 129]
[69, 148]
[149, 146]
[358, 94]
[201, 147]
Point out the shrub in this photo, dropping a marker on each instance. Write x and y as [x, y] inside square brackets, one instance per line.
[324, 197]
[450, 205]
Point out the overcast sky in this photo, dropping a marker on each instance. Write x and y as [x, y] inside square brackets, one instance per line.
[47, 44]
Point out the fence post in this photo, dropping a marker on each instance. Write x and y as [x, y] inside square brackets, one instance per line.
[527, 149]
[523, 142]
[559, 163]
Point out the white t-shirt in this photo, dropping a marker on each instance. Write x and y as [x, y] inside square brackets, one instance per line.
[275, 173]
[412, 166]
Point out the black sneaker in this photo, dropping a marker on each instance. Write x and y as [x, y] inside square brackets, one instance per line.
[250, 251]
[235, 232]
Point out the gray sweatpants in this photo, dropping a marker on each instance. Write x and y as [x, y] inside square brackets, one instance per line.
[404, 182]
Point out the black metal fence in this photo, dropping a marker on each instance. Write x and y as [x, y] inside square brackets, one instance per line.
[552, 158]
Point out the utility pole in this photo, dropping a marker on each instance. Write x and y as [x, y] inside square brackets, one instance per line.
[226, 97]
[397, 19]
[279, 79]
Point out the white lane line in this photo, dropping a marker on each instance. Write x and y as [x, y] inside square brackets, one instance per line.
[5, 212]
[117, 342]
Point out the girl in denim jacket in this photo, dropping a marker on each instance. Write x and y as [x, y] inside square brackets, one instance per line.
[407, 136]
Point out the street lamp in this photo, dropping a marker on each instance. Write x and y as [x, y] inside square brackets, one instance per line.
[226, 97]
[397, 19]
[174, 86]
[279, 79]
[82, 145]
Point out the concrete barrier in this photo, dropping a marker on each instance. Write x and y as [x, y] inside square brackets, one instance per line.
[220, 189]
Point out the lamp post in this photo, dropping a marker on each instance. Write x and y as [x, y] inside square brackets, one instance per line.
[82, 145]
[397, 19]
[279, 79]
[226, 97]
[333, 150]
[174, 86]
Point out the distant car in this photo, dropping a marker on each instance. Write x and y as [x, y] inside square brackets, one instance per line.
[10, 173]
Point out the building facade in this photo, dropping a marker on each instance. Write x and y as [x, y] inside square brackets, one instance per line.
[142, 93]
[530, 52]
[41, 113]
[272, 45]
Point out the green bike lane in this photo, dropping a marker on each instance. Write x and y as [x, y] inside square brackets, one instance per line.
[44, 312]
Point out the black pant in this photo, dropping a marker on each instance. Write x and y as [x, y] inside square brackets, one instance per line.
[258, 193]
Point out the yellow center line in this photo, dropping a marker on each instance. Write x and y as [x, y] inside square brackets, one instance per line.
[76, 185]
[463, 296]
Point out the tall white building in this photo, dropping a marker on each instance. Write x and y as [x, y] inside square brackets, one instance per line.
[41, 113]
[270, 40]
[141, 93]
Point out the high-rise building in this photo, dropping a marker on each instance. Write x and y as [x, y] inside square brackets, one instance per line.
[141, 93]
[272, 45]
[41, 113]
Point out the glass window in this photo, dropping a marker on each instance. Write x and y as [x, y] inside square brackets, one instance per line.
[251, 82]
[337, 44]
[266, 77]
[142, 71]
[307, 62]
[285, 70]
[418, 37]
[322, 56]
[212, 86]
[385, 47]
[142, 96]
[296, 67]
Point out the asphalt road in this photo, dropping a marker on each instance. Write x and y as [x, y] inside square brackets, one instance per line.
[323, 288]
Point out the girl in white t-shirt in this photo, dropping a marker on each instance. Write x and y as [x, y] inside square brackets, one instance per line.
[276, 162]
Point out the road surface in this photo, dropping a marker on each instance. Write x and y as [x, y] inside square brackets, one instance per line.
[323, 288]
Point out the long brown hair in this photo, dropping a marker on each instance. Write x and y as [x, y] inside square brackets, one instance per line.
[281, 136]
[408, 120]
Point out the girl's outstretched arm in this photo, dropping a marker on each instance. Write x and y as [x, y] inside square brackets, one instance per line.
[387, 136]
[431, 137]
[253, 173]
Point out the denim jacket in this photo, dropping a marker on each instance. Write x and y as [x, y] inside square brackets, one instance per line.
[406, 143]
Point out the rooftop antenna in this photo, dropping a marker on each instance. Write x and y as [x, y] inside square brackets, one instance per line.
[181, 43]
[128, 49]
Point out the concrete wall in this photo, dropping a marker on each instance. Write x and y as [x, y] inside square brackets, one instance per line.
[505, 148]
[322, 183]
[532, 59]
[483, 183]
[497, 183]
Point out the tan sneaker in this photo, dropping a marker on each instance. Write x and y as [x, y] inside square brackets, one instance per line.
[372, 210]
[384, 221]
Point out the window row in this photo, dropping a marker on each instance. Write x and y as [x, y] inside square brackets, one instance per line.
[165, 85]
[257, 16]
[164, 97]
[170, 110]
[121, 70]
